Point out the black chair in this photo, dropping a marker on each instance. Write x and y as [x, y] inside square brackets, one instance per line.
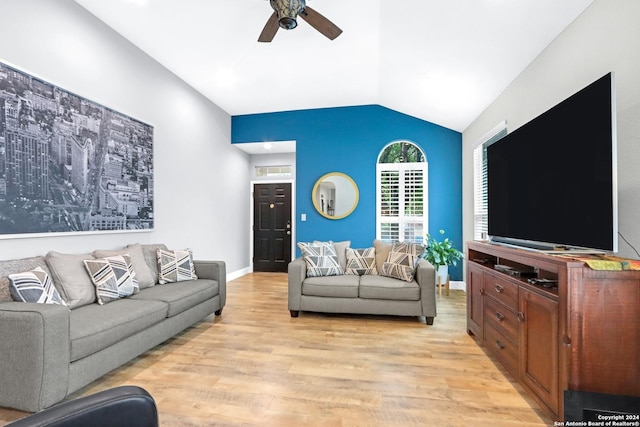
[117, 407]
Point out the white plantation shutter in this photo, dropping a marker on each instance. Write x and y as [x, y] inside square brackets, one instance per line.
[388, 185]
[401, 202]
[480, 217]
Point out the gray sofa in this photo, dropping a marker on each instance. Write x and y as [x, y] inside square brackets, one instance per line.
[365, 294]
[49, 351]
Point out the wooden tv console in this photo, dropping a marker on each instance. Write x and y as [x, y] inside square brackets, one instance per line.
[583, 335]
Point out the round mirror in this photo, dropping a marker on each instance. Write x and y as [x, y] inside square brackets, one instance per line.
[335, 195]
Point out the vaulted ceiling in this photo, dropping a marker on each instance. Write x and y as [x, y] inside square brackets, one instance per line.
[443, 61]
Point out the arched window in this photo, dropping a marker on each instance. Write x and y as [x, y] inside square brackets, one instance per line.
[401, 200]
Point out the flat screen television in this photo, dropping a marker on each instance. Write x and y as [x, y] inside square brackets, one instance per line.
[552, 183]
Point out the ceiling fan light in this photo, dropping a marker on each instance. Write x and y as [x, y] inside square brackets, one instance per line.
[287, 11]
[288, 23]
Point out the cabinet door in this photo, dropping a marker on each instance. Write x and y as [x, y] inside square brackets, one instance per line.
[539, 346]
[475, 300]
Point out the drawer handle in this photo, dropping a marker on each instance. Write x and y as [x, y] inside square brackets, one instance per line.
[499, 289]
[499, 345]
[499, 316]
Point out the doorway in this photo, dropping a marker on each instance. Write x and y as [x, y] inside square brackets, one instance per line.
[271, 227]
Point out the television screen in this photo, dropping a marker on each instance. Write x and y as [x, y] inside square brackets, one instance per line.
[552, 182]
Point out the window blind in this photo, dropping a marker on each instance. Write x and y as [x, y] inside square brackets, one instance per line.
[480, 215]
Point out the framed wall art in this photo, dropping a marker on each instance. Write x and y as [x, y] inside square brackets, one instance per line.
[68, 164]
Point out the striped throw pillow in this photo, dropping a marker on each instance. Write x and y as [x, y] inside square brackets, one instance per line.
[34, 286]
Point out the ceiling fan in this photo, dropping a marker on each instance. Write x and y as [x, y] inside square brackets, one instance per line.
[285, 14]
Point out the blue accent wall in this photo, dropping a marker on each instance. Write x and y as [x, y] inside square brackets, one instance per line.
[349, 140]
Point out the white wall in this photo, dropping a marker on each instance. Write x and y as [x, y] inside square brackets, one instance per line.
[196, 204]
[606, 37]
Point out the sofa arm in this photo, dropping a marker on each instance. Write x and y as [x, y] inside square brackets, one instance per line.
[35, 348]
[426, 278]
[297, 272]
[214, 270]
[115, 407]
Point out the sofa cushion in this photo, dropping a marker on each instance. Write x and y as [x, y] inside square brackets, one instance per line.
[113, 277]
[5, 293]
[175, 266]
[345, 286]
[143, 273]
[401, 261]
[341, 251]
[150, 253]
[34, 286]
[71, 278]
[361, 261]
[17, 266]
[95, 327]
[387, 288]
[181, 296]
[321, 259]
[382, 252]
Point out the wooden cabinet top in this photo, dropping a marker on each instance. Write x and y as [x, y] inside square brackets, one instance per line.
[523, 256]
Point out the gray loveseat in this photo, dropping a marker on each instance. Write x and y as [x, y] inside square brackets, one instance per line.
[363, 294]
[49, 351]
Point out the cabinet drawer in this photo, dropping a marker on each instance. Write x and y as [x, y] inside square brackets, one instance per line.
[501, 289]
[503, 320]
[502, 347]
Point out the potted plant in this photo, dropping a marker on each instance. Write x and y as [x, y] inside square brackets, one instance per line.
[441, 255]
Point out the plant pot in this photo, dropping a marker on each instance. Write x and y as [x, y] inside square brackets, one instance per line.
[442, 272]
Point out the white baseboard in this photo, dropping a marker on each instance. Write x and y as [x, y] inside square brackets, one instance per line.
[239, 273]
[461, 286]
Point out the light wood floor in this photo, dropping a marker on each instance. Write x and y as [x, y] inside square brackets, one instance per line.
[256, 366]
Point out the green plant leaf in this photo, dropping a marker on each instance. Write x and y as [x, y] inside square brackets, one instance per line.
[441, 253]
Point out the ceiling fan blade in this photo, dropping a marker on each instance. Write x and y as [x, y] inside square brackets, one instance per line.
[270, 29]
[320, 23]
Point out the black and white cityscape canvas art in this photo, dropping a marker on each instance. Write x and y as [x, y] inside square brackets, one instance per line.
[68, 164]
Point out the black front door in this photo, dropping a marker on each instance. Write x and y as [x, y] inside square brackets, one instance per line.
[271, 227]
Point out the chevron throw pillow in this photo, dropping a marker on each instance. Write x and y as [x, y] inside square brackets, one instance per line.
[361, 261]
[113, 277]
[321, 259]
[34, 286]
[402, 260]
[175, 266]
